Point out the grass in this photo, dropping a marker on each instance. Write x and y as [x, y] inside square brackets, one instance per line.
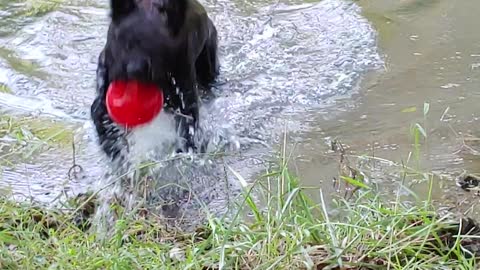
[32, 8]
[23, 137]
[24, 66]
[5, 89]
[286, 231]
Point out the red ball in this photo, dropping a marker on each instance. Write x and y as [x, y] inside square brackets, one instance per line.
[133, 103]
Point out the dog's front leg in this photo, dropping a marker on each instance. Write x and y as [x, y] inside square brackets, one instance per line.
[187, 119]
[110, 136]
[186, 110]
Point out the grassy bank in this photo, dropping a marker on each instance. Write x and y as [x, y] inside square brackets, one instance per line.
[291, 232]
[287, 231]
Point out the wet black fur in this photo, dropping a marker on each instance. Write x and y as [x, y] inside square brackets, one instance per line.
[160, 41]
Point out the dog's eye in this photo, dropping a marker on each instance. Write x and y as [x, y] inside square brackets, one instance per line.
[161, 8]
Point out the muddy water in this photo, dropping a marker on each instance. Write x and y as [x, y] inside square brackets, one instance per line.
[432, 54]
[307, 66]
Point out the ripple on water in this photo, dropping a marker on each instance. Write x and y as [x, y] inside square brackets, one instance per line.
[290, 60]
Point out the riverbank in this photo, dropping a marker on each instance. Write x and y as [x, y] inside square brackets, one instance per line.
[359, 231]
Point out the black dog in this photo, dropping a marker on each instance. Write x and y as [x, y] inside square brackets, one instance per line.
[172, 43]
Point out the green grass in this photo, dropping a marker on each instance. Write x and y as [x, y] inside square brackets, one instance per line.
[286, 231]
[23, 137]
[5, 89]
[31, 8]
[24, 66]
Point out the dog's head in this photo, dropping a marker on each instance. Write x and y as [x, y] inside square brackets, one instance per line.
[143, 38]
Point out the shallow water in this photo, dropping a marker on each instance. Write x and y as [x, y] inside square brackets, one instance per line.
[431, 51]
[320, 69]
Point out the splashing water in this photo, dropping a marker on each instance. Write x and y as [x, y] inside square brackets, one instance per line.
[162, 182]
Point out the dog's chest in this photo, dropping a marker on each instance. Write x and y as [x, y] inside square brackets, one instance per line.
[158, 136]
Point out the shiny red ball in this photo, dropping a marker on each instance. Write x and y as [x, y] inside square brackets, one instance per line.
[133, 103]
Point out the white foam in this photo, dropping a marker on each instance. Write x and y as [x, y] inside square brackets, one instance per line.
[157, 137]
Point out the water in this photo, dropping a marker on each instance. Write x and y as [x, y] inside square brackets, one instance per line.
[320, 69]
[430, 50]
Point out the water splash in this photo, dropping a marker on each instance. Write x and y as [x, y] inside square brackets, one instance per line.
[168, 184]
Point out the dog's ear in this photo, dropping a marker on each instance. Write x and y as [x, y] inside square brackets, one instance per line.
[121, 8]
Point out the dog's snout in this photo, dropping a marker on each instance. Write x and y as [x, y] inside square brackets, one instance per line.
[138, 67]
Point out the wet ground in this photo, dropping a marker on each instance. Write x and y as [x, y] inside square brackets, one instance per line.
[357, 71]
